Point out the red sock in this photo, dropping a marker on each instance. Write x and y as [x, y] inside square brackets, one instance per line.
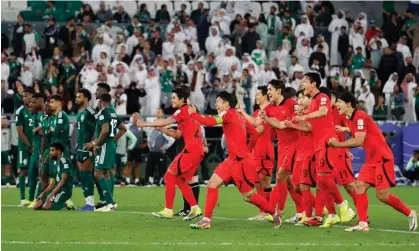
[267, 193]
[298, 200]
[326, 183]
[319, 202]
[186, 191]
[353, 195]
[362, 206]
[170, 189]
[397, 204]
[263, 204]
[211, 201]
[282, 193]
[308, 202]
[274, 196]
[330, 204]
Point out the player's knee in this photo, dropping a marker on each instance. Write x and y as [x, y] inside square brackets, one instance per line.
[193, 180]
[297, 189]
[23, 172]
[349, 187]
[304, 187]
[360, 187]
[382, 195]
[98, 174]
[247, 196]
[46, 206]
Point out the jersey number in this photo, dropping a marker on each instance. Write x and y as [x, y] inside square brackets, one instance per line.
[78, 125]
[30, 122]
[113, 127]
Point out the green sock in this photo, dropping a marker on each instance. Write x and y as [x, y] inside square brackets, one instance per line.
[99, 191]
[38, 189]
[32, 183]
[87, 183]
[111, 182]
[22, 187]
[106, 191]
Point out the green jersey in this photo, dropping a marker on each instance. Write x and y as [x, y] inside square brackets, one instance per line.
[86, 122]
[15, 68]
[25, 119]
[45, 129]
[358, 62]
[62, 166]
[107, 116]
[17, 101]
[37, 138]
[68, 71]
[166, 81]
[60, 128]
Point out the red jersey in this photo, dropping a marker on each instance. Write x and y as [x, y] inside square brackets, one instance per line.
[323, 128]
[251, 132]
[305, 144]
[234, 131]
[191, 130]
[375, 144]
[340, 120]
[264, 146]
[284, 111]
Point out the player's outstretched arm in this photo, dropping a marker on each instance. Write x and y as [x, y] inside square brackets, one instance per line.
[176, 134]
[305, 127]
[158, 123]
[314, 115]
[357, 141]
[207, 120]
[275, 123]
[254, 121]
[122, 129]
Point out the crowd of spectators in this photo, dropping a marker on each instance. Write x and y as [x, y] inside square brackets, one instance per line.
[143, 57]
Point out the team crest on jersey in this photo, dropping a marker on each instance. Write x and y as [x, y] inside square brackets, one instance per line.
[82, 118]
[360, 123]
[58, 169]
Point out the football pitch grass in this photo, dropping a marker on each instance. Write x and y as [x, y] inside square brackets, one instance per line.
[132, 227]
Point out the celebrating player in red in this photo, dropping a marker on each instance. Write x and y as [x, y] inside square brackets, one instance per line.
[239, 165]
[263, 151]
[275, 115]
[321, 120]
[304, 160]
[378, 170]
[187, 162]
[344, 172]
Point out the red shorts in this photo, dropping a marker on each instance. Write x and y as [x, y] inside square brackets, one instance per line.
[264, 165]
[344, 172]
[380, 175]
[296, 173]
[286, 158]
[326, 159]
[308, 171]
[186, 164]
[241, 171]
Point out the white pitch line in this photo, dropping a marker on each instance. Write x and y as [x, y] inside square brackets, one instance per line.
[238, 219]
[208, 243]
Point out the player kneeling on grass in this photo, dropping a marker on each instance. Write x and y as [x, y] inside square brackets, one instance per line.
[378, 170]
[59, 189]
[240, 165]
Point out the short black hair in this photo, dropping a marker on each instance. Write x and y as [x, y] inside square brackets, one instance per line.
[57, 97]
[347, 97]
[227, 97]
[182, 92]
[263, 89]
[289, 92]
[58, 146]
[314, 77]
[38, 95]
[106, 97]
[277, 84]
[416, 151]
[336, 93]
[28, 90]
[86, 93]
[104, 86]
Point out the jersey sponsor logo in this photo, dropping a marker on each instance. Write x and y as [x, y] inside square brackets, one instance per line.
[176, 112]
[60, 121]
[101, 117]
[360, 123]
